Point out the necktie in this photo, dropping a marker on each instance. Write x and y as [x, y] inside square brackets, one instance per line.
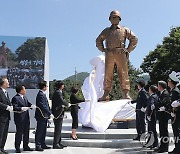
[6, 93]
[24, 101]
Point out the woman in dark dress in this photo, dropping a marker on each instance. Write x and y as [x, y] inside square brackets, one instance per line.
[74, 100]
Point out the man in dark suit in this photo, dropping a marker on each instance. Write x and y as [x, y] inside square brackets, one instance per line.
[41, 118]
[5, 109]
[141, 103]
[58, 104]
[21, 119]
[151, 114]
[173, 80]
[162, 116]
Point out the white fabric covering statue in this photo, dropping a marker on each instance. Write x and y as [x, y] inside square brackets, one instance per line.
[96, 114]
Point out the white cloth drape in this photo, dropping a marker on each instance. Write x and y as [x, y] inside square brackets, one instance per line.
[99, 115]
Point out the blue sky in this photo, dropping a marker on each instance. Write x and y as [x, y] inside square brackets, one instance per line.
[13, 42]
[71, 27]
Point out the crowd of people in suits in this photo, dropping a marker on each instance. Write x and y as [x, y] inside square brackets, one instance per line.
[160, 103]
[20, 106]
[156, 103]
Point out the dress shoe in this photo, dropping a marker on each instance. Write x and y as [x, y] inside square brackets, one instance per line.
[4, 151]
[27, 149]
[46, 147]
[152, 147]
[39, 149]
[156, 149]
[137, 138]
[73, 138]
[173, 152]
[57, 147]
[18, 150]
[60, 144]
[162, 150]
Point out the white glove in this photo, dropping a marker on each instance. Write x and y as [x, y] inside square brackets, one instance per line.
[24, 108]
[162, 109]
[9, 108]
[129, 102]
[175, 104]
[172, 115]
[51, 116]
[67, 106]
[143, 109]
[33, 106]
[152, 107]
[148, 118]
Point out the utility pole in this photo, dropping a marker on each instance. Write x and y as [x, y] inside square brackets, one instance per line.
[75, 77]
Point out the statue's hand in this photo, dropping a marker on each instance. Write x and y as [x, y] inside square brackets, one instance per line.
[127, 55]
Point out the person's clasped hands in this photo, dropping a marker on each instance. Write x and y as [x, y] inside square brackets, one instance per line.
[162, 109]
[9, 108]
[24, 108]
[175, 103]
[33, 106]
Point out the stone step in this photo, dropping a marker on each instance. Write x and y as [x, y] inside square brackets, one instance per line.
[124, 143]
[91, 134]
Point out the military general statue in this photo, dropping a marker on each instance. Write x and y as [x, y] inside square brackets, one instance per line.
[3, 55]
[116, 53]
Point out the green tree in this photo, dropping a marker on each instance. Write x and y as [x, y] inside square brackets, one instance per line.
[165, 58]
[32, 49]
[116, 92]
[12, 59]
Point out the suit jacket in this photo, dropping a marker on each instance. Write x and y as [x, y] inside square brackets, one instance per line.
[174, 95]
[164, 99]
[75, 100]
[42, 103]
[4, 102]
[57, 103]
[18, 102]
[141, 99]
[153, 99]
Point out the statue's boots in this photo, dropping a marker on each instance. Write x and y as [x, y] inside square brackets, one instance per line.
[105, 97]
[126, 94]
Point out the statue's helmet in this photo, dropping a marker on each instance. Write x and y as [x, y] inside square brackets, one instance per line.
[3, 42]
[115, 13]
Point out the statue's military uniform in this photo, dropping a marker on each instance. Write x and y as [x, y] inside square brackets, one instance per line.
[116, 53]
[3, 55]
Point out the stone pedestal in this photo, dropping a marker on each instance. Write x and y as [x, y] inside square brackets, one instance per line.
[122, 124]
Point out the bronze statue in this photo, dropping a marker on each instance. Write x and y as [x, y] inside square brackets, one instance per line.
[116, 53]
[3, 55]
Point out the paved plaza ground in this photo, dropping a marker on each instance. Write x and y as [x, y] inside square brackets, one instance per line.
[112, 141]
[78, 150]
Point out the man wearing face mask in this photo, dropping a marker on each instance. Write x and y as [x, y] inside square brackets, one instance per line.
[116, 53]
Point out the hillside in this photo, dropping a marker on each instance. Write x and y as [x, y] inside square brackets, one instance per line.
[79, 76]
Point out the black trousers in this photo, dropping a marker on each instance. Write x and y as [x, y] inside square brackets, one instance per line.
[152, 130]
[41, 132]
[163, 130]
[4, 126]
[74, 114]
[176, 132]
[140, 122]
[57, 131]
[22, 131]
